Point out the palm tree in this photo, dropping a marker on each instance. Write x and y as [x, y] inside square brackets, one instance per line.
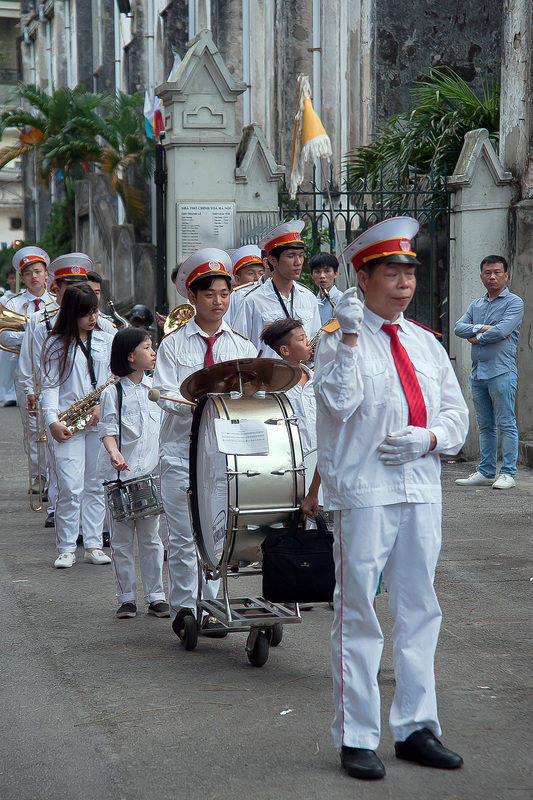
[59, 128]
[127, 151]
[428, 139]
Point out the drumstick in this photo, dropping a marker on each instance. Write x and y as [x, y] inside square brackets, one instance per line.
[155, 395]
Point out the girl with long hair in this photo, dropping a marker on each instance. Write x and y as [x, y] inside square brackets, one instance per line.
[75, 360]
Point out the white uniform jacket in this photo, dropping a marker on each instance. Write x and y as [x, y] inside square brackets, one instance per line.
[261, 305]
[302, 400]
[22, 303]
[360, 401]
[179, 355]
[35, 336]
[54, 397]
[141, 420]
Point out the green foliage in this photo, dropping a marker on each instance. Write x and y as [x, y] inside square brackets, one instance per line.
[73, 131]
[429, 138]
[58, 234]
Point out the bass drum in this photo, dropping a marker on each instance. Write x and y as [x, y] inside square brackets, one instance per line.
[236, 500]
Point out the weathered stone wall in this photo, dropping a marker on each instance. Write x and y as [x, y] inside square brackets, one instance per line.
[412, 37]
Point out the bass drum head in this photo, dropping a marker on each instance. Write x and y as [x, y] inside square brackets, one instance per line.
[209, 485]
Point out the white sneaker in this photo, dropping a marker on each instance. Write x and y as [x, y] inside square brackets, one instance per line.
[504, 482]
[96, 557]
[475, 479]
[65, 560]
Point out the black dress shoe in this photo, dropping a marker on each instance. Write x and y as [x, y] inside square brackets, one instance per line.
[424, 748]
[50, 521]
[106, 539]
[361, 763]
[211, 627]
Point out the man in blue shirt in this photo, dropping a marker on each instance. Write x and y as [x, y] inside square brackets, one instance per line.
[492, 324]
[324, 268]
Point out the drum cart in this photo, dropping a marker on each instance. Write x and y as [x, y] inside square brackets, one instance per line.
[235, 500]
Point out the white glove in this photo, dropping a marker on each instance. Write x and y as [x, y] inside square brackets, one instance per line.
[406, 445]
[349, 312]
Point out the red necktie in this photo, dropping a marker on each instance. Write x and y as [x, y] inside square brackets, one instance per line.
[37, 304]
[409, 381]
[210, 341]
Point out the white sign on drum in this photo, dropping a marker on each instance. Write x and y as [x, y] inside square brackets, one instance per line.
[204, 225]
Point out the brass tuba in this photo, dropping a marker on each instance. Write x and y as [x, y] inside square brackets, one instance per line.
[11, 321]
[122, 321]
[178, 317]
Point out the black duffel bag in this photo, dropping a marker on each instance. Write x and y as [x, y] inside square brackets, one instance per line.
[298, 564]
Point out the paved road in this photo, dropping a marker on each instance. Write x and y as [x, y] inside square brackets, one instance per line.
[95, 708]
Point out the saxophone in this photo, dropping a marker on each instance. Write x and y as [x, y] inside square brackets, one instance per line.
[77, 416]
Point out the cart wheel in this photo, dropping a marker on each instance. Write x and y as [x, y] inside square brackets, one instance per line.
[274, 635]
[188, 632]
[259, 654]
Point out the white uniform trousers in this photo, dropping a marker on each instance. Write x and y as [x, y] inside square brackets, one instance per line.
[182, 561]
[29, 437]
[80, 494]
[151, 554]
[402, 541]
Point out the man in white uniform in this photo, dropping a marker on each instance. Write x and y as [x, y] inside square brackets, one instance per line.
[388, 404]
[32, 263]
[248, 269]
[204, 340]
[282, 296]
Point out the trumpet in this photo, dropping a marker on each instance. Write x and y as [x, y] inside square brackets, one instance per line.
[178, 317]
[77, 416]
[12, 321]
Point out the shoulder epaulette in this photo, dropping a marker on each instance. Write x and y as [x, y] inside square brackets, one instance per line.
[240, 334]
[242, 286]
[255, 288]
[331, 326]
[429, 330]
[305, 287]
[49, 314]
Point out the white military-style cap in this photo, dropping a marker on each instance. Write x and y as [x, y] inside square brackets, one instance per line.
[288, 234]
[247, 254]
[208, 261]
[389, 240]
[30, 255]
[71, 267]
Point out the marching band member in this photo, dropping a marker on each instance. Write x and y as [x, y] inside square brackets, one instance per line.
[67, 270]
[388, 404]
[324, 268]
[248, 269]
[282, 296]
[75, 361]
[7, 367]
[32, 264]
[134, 422]
[202, 341]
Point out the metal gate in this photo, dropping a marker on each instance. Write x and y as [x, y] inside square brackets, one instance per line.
[365, 203]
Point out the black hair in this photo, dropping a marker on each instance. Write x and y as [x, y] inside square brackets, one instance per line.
[324, 260]
[277, 333]
[494, 260]
[95, 277]
[174, 273]
[205, 283]
[125, 342]
[78, 301]
[277, 251]
[10, 271]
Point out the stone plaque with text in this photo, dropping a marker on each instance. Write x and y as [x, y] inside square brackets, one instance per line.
[204, 225]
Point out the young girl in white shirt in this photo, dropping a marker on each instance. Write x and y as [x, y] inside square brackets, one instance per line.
[135, 422]
[75, 360]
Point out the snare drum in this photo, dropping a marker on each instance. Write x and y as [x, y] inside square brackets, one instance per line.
[135, 498]
[236, 500]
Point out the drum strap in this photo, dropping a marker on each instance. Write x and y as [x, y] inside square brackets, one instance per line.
[120, 395]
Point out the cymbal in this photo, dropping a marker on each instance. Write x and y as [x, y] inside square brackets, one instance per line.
[246, 375]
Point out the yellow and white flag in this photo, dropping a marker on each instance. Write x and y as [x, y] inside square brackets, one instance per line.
[310, 139]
